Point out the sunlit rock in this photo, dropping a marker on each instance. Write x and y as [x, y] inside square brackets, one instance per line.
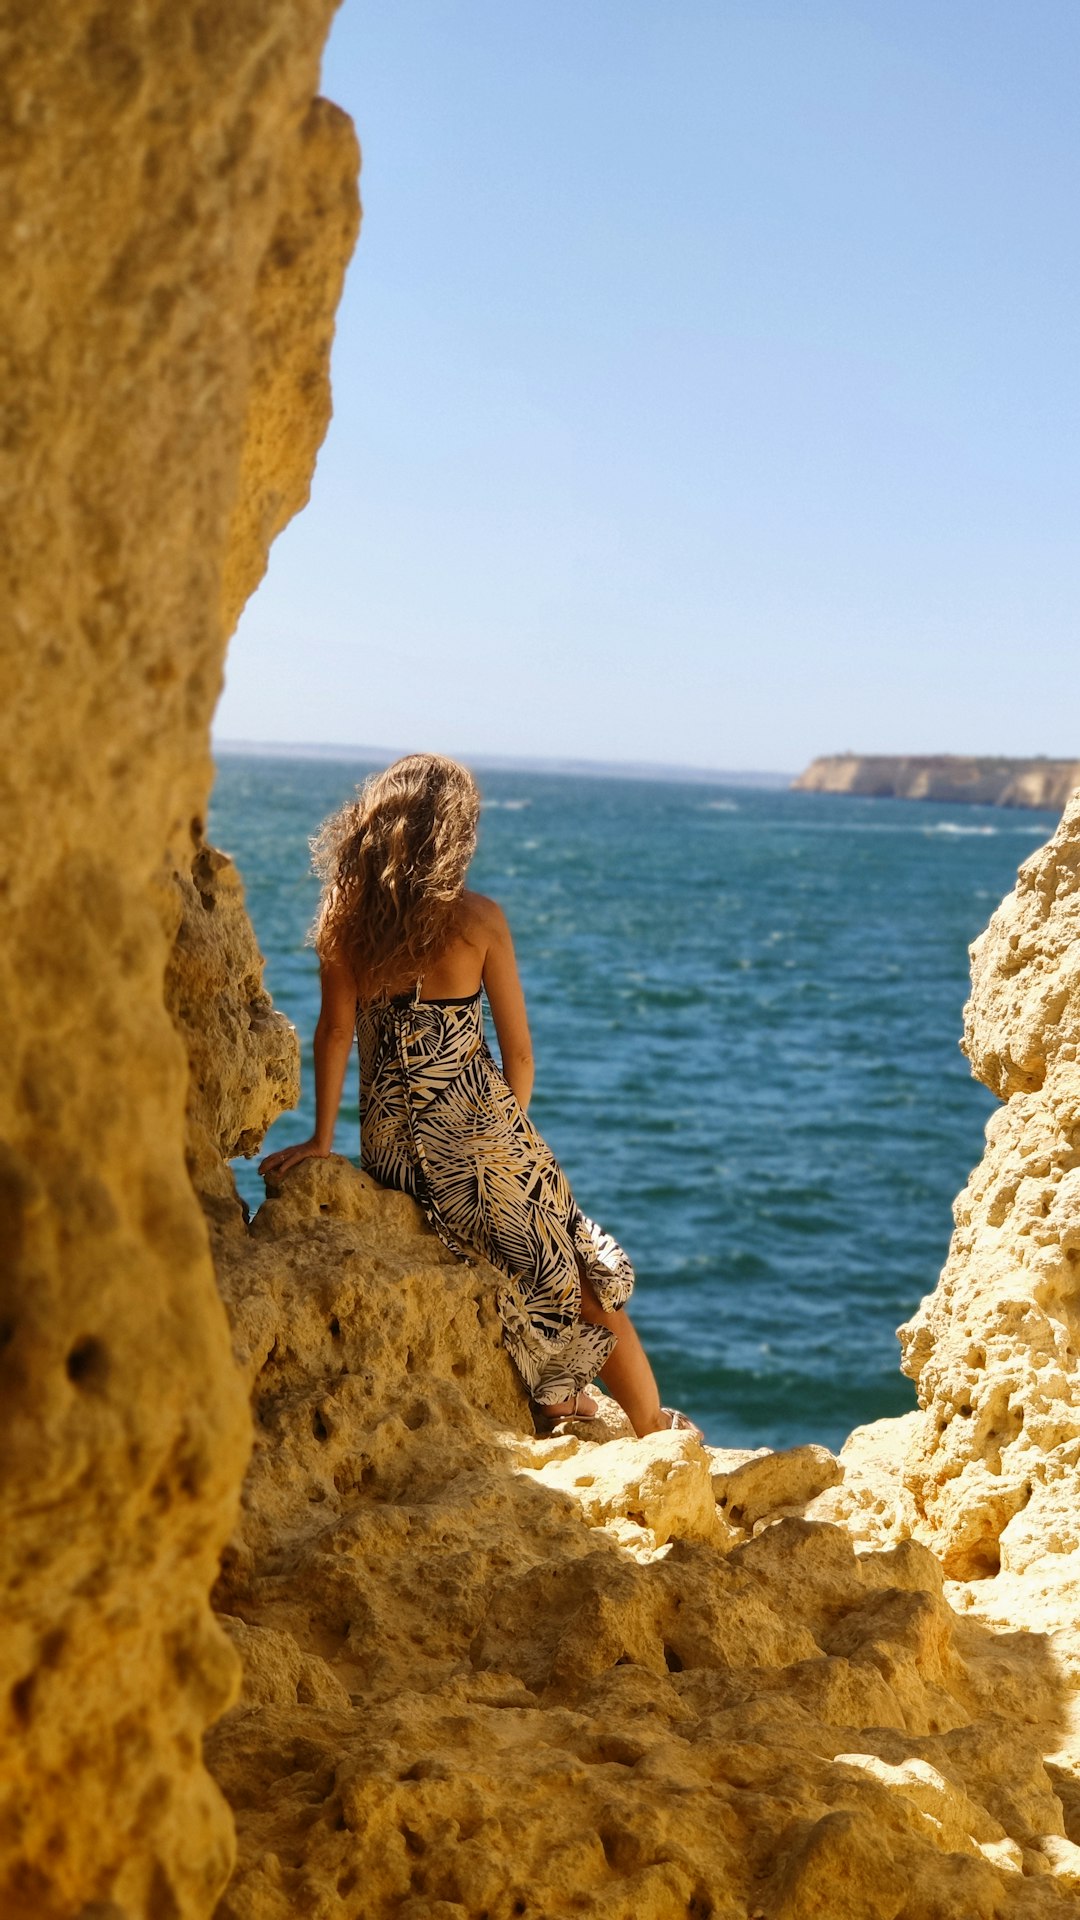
[994, 1351]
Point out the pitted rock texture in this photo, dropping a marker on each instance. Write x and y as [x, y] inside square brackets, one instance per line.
[153, 157]
[243, 1056]
[289, 339]
[995, 1351]
[869, 1498]
[1024, 1011]
[493, 1674]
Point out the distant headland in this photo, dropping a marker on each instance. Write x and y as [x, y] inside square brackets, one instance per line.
[948, 777]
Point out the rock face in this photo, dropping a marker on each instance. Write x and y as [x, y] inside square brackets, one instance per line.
[987, 1472]
[243, 1058]
[175, 206]
[995, 1352]
[947, 777]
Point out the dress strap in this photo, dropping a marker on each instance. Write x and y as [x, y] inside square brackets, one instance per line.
[416, 995]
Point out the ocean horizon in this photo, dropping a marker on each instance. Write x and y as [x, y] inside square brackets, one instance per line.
[372, 757]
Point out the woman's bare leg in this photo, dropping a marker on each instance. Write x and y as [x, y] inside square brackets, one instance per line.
[627, 1374]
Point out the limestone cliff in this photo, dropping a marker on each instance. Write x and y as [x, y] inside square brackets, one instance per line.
[988, 1471]
[176, 206]
[947, 777]
[995, 1352]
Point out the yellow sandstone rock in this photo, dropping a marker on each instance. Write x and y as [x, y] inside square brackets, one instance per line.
[993, 1463]
[646, 1492]
[869, 1497]
[243, 1057]
[155, 160]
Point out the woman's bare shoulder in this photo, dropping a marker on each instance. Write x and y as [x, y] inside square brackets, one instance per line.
[481, 913]
[481, 907]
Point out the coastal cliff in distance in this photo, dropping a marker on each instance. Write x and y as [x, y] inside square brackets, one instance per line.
[948, 777]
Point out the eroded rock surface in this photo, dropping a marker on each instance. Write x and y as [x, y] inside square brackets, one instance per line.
[490, 1673]
[994, 1352]
[155, 160]
[243, 1056]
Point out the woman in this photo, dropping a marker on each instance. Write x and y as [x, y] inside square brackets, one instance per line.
[405, 950]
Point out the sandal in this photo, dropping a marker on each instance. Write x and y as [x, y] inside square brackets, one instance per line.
[549, 1417]
[678, 1422]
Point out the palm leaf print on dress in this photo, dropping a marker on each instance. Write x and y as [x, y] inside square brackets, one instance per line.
[438, 1121]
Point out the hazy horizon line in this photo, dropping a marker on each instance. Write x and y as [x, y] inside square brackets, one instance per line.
[516, 763]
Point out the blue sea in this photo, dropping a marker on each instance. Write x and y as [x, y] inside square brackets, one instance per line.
[745, 1007]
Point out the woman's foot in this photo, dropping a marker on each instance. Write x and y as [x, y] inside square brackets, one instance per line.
[581, 1407]
[677, 1422]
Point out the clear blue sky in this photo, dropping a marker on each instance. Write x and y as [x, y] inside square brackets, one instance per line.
[706, 388]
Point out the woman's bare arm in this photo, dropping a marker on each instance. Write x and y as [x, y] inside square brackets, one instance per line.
[502, 984]
[334, 1033]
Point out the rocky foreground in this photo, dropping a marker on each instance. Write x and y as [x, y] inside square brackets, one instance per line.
[449, 1671]
[485, 1673]
[950, 778]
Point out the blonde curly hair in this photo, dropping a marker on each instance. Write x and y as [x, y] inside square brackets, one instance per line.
[393, 864]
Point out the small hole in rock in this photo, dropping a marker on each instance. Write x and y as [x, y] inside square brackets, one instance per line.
[672, 1660]
[87, 1364]
[335, 1328]
[22, 1695]
[319, 1427]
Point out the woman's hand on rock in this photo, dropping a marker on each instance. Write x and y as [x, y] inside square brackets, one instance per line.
[286, 1157]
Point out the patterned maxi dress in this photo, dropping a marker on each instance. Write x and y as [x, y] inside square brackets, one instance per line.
[438, 1120]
